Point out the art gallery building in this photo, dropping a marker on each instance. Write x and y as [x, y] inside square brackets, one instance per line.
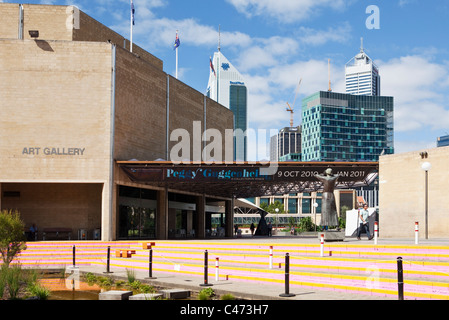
[74, 101]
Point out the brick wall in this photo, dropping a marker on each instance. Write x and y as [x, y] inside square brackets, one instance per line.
[63, 23]
[141, 107]
[54, 95]
[9, 22]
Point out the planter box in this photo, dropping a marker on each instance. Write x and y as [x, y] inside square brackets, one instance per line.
[332, 235]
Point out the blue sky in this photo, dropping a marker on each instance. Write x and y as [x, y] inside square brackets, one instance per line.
[274, 43]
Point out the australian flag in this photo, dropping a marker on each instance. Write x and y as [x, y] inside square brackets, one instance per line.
[177, 42]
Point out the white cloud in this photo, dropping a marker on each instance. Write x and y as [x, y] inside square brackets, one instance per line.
[286, 11]
[264, 53]
[341, 34]
[419, 87]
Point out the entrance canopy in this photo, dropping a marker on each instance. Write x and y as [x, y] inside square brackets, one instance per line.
[245, 180]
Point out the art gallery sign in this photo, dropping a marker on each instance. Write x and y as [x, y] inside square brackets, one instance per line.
[53, 151]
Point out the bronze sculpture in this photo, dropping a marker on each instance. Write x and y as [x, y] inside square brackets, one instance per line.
[329, 216]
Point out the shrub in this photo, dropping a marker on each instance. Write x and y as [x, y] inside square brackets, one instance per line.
[206, 294]
[306, 224]
[145, 288]
[131, 275]
[227, 296]
[13, 278]
[90, 278]
[3, 271]
[39, 291]
[12, 237]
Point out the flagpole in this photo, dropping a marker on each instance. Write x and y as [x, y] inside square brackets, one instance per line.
[176, 57]
[131, 28]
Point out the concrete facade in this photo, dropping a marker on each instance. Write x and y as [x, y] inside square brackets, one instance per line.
[75, 100]
[402, 194]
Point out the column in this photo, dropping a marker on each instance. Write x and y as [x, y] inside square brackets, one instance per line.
[229, 218]
[106, 212]
[201, 217]
[162, 215]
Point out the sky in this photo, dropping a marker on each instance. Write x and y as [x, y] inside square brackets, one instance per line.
[275, 43]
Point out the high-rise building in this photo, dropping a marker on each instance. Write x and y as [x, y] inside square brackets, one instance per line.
[362, 75]
[227, 87]
[286, 145]
[345, 127]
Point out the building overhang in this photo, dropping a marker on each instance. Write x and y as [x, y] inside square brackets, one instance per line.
[249, 179]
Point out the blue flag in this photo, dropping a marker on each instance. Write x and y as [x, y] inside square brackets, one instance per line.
[177, 42]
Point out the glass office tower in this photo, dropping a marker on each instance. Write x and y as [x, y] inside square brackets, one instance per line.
[227, 87]
[345, 127]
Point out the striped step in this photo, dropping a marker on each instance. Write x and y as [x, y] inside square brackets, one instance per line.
[366, 284]
[364, 269]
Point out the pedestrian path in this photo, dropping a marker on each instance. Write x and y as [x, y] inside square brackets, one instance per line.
[359, 269]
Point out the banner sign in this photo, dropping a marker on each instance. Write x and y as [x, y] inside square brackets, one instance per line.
[211, 173]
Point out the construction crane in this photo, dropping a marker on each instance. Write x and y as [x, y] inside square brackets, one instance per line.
[290, 109]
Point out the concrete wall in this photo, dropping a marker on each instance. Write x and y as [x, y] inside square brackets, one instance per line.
[402, 194]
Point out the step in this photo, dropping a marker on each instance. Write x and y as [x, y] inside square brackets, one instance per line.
[366, 269]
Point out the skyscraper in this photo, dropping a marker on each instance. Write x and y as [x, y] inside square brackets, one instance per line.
[345, 127]
[362, 75]
[286, 145]
[227, 87]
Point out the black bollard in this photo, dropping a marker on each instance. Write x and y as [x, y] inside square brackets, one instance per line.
[287, 278]
[108, 261]
[400, 280]
[205, 284]
[150, 265]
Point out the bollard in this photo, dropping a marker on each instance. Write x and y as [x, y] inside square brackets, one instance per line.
[73, 250]
[287, 278]
[416, 232]
[322, 245]
[108, 261]
[376, 231]
[217, 276]
[205, 284]
[150, 265]
[271, 258]
[400, 280]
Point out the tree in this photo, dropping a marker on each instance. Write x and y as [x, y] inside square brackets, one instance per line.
[12, 237]
[272, 207]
